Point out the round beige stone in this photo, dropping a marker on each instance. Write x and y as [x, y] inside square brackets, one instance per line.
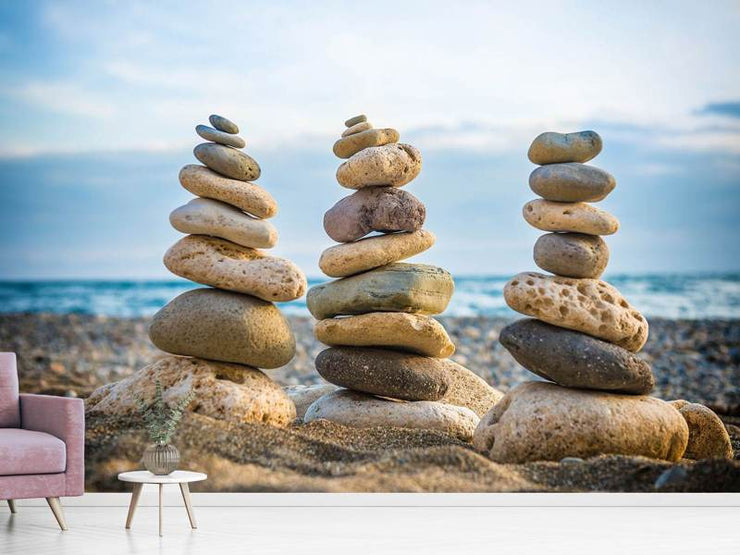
[221, 390]
[228, 161]
[224, 326]
[223, 124]
[355, 120]
[590, 306]
[203, 216]
[555, 148]
[303, 396]
[390, 165]
[539, 421]
[227, 139]
[372, 252]
[572, 254]
[358, 410]
[226, 265]
[415, 333]
[397, 287]
[357, 128]
[248, 197]
[571, 183]
[348, 146]
[708, 437]
[574, 217]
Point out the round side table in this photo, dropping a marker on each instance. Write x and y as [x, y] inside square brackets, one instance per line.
[179, 477]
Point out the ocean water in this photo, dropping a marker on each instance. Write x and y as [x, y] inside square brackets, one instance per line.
[656, 295]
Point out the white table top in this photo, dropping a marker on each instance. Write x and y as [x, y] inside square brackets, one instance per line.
[146, 477]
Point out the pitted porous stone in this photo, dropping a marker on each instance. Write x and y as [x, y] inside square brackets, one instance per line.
[587, 305]
[390, 165]
[708, 437]
[555, 148]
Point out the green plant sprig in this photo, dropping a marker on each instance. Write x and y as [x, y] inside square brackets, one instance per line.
[160, 421]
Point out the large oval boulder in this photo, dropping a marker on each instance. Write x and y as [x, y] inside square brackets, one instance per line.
[384, 209]
[398, 287]
[221, 390]
[539, 421]
[587, 305]
[574, 359]
[226, 265]
[224, 326]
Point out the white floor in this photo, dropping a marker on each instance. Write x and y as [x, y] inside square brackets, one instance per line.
[353, 530]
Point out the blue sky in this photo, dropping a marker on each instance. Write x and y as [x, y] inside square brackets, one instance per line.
[99, 100]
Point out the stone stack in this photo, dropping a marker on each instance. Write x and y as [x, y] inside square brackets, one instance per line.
[232, 327]
[583, 334]
[386, 351]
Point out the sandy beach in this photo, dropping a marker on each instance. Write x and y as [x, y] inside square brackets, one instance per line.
[698, 360]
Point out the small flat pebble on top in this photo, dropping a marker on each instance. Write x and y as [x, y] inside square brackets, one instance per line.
[227, 139]
[223, 124]
[364, 126]
[355, 120]
[556, 148]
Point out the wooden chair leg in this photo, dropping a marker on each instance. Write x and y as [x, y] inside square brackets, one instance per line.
[56, 508]
[11, 504]
[185, 490]
[132, 506]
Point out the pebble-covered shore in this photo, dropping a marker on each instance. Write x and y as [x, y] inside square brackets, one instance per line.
[70, 354]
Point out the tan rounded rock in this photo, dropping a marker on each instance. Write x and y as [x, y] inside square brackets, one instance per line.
[572, 254]
[397, 287]
[708, 437]
[468, 389]
[571, 183]
[221, 390]
[358, 410]
[373, 252]
[590, 306]
[303, 396]
[223, 124]
[575, 217]
[203, 216]
[347, 146]
[249, 197]
[415, 333]
[357, 128]
[226, 265]
[224, 326]
[390, 165]
[228, 161]
[542, 421]
[227, 139]
[555, 148]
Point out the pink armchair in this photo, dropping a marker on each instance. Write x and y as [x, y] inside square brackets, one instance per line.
[42, 443]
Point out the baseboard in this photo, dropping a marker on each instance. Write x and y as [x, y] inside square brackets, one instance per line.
[172, 498]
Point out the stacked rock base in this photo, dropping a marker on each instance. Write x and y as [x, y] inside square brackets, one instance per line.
[583, 334]
[231, 328]
[387, 353]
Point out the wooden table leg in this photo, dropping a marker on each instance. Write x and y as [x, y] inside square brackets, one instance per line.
[132, 506]
[160, 509]
[185, 490]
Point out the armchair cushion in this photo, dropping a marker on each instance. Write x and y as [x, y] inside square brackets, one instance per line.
[28, 452]
[10, 414]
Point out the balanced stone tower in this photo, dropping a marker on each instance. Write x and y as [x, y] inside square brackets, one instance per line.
[386, 350]
[583, 335]
[232, 327]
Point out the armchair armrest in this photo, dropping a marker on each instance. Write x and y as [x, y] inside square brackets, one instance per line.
[64, 418]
